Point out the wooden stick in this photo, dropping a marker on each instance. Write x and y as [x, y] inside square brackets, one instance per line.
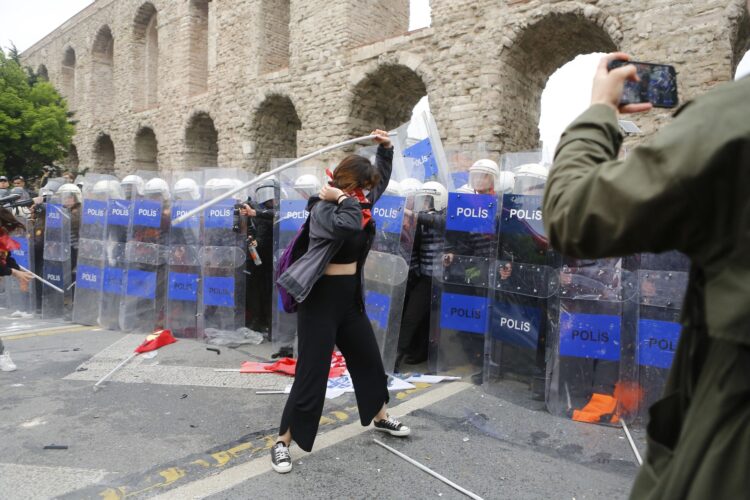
[42, 280]
[124, 362]
[430, 471]
[214, 201]
[632, 443]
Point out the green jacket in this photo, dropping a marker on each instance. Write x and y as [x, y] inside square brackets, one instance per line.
[688, 189]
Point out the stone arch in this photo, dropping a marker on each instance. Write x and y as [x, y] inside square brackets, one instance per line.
[274, 128]
[102, 81]
[538, 49]
[71, 159]
[68, 72]
[104, 155]
[146, 149]
[146, 56]
[198, 48]
[42, 72]
[385, 98]
[740, 34]
[201, 142]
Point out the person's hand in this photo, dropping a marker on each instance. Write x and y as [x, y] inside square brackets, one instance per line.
[382, 138]
[247, 210]
[38, 200]
[447, 259]
[330, 193]
[609, 85]
[23, 278]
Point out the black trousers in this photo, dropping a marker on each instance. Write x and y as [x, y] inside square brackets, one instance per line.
[331, 315]
[413, 338]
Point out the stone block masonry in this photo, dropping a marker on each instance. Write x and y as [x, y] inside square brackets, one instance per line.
[172, 85]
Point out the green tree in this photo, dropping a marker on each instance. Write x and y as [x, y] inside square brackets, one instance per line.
[35, 129]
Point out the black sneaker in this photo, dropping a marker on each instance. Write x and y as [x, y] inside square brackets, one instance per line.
[392, 427]
[281, 460]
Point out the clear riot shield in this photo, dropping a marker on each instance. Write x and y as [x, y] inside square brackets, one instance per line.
[662, 281]
[144, 290]
[222, 256]
[465, 277]
[592, 375]
[387, 266]
[57, 260]
[298, 184]
[183, 257]
[526, 279]
[116, 237]
[92, 251]
[422, 154]
[22, 303]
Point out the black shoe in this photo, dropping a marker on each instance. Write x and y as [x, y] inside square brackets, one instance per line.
[281, 460]
[284, 352]
[392, 427]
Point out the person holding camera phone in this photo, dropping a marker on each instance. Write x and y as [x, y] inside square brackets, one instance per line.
[686, 189]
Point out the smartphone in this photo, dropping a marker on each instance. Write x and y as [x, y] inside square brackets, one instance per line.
[657, 85]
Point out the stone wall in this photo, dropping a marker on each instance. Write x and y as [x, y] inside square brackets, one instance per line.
[201, 83]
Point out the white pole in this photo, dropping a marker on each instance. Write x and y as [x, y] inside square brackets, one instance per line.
[632, 443]
[123, 363]
[224, 196]
[430, 471]
[42, 280]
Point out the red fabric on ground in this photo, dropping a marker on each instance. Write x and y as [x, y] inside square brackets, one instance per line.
[155, 341]
[287, 366]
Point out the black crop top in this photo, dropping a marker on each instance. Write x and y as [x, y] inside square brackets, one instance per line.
[352, 248]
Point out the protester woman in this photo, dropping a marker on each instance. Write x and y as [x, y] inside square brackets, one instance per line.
[9, 267]
[327, 283]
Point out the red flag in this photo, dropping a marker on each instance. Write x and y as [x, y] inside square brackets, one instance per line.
[287, 366]
[156, 340]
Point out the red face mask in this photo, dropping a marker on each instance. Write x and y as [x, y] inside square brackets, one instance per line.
[359, 195]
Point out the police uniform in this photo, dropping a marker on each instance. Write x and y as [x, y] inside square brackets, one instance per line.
[687, 189]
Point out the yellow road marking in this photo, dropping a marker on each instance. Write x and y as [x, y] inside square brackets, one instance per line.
[50, 332]
[224, 459]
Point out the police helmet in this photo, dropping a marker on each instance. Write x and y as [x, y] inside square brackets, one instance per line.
[530, 179]
[483, 175]
[186, 189]
[307, 185]
[465, 189]
[410, 186]
[107, 189]
[156, 186]
[393, 188]
[132, 184]
[70, 190]
[431, 196]
[267, 190]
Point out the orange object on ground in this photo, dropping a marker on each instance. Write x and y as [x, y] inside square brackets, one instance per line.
[600, 409]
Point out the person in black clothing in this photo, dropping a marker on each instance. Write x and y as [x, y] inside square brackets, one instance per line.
[327, 283]
[261, 214]
[413, 342]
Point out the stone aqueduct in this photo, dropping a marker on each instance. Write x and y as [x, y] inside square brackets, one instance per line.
[165, 84]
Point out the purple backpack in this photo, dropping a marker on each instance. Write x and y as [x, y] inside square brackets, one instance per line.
[296, 249]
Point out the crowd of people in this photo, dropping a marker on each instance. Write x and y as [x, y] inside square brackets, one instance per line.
[607, 215]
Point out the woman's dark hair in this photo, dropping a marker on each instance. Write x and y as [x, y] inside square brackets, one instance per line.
[354, 172]
[8, 221]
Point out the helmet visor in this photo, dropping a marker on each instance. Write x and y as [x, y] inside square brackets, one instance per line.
[529, 185]
[481, 182]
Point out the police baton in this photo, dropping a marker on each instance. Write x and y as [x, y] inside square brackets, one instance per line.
[262, 177]
[41, 279]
